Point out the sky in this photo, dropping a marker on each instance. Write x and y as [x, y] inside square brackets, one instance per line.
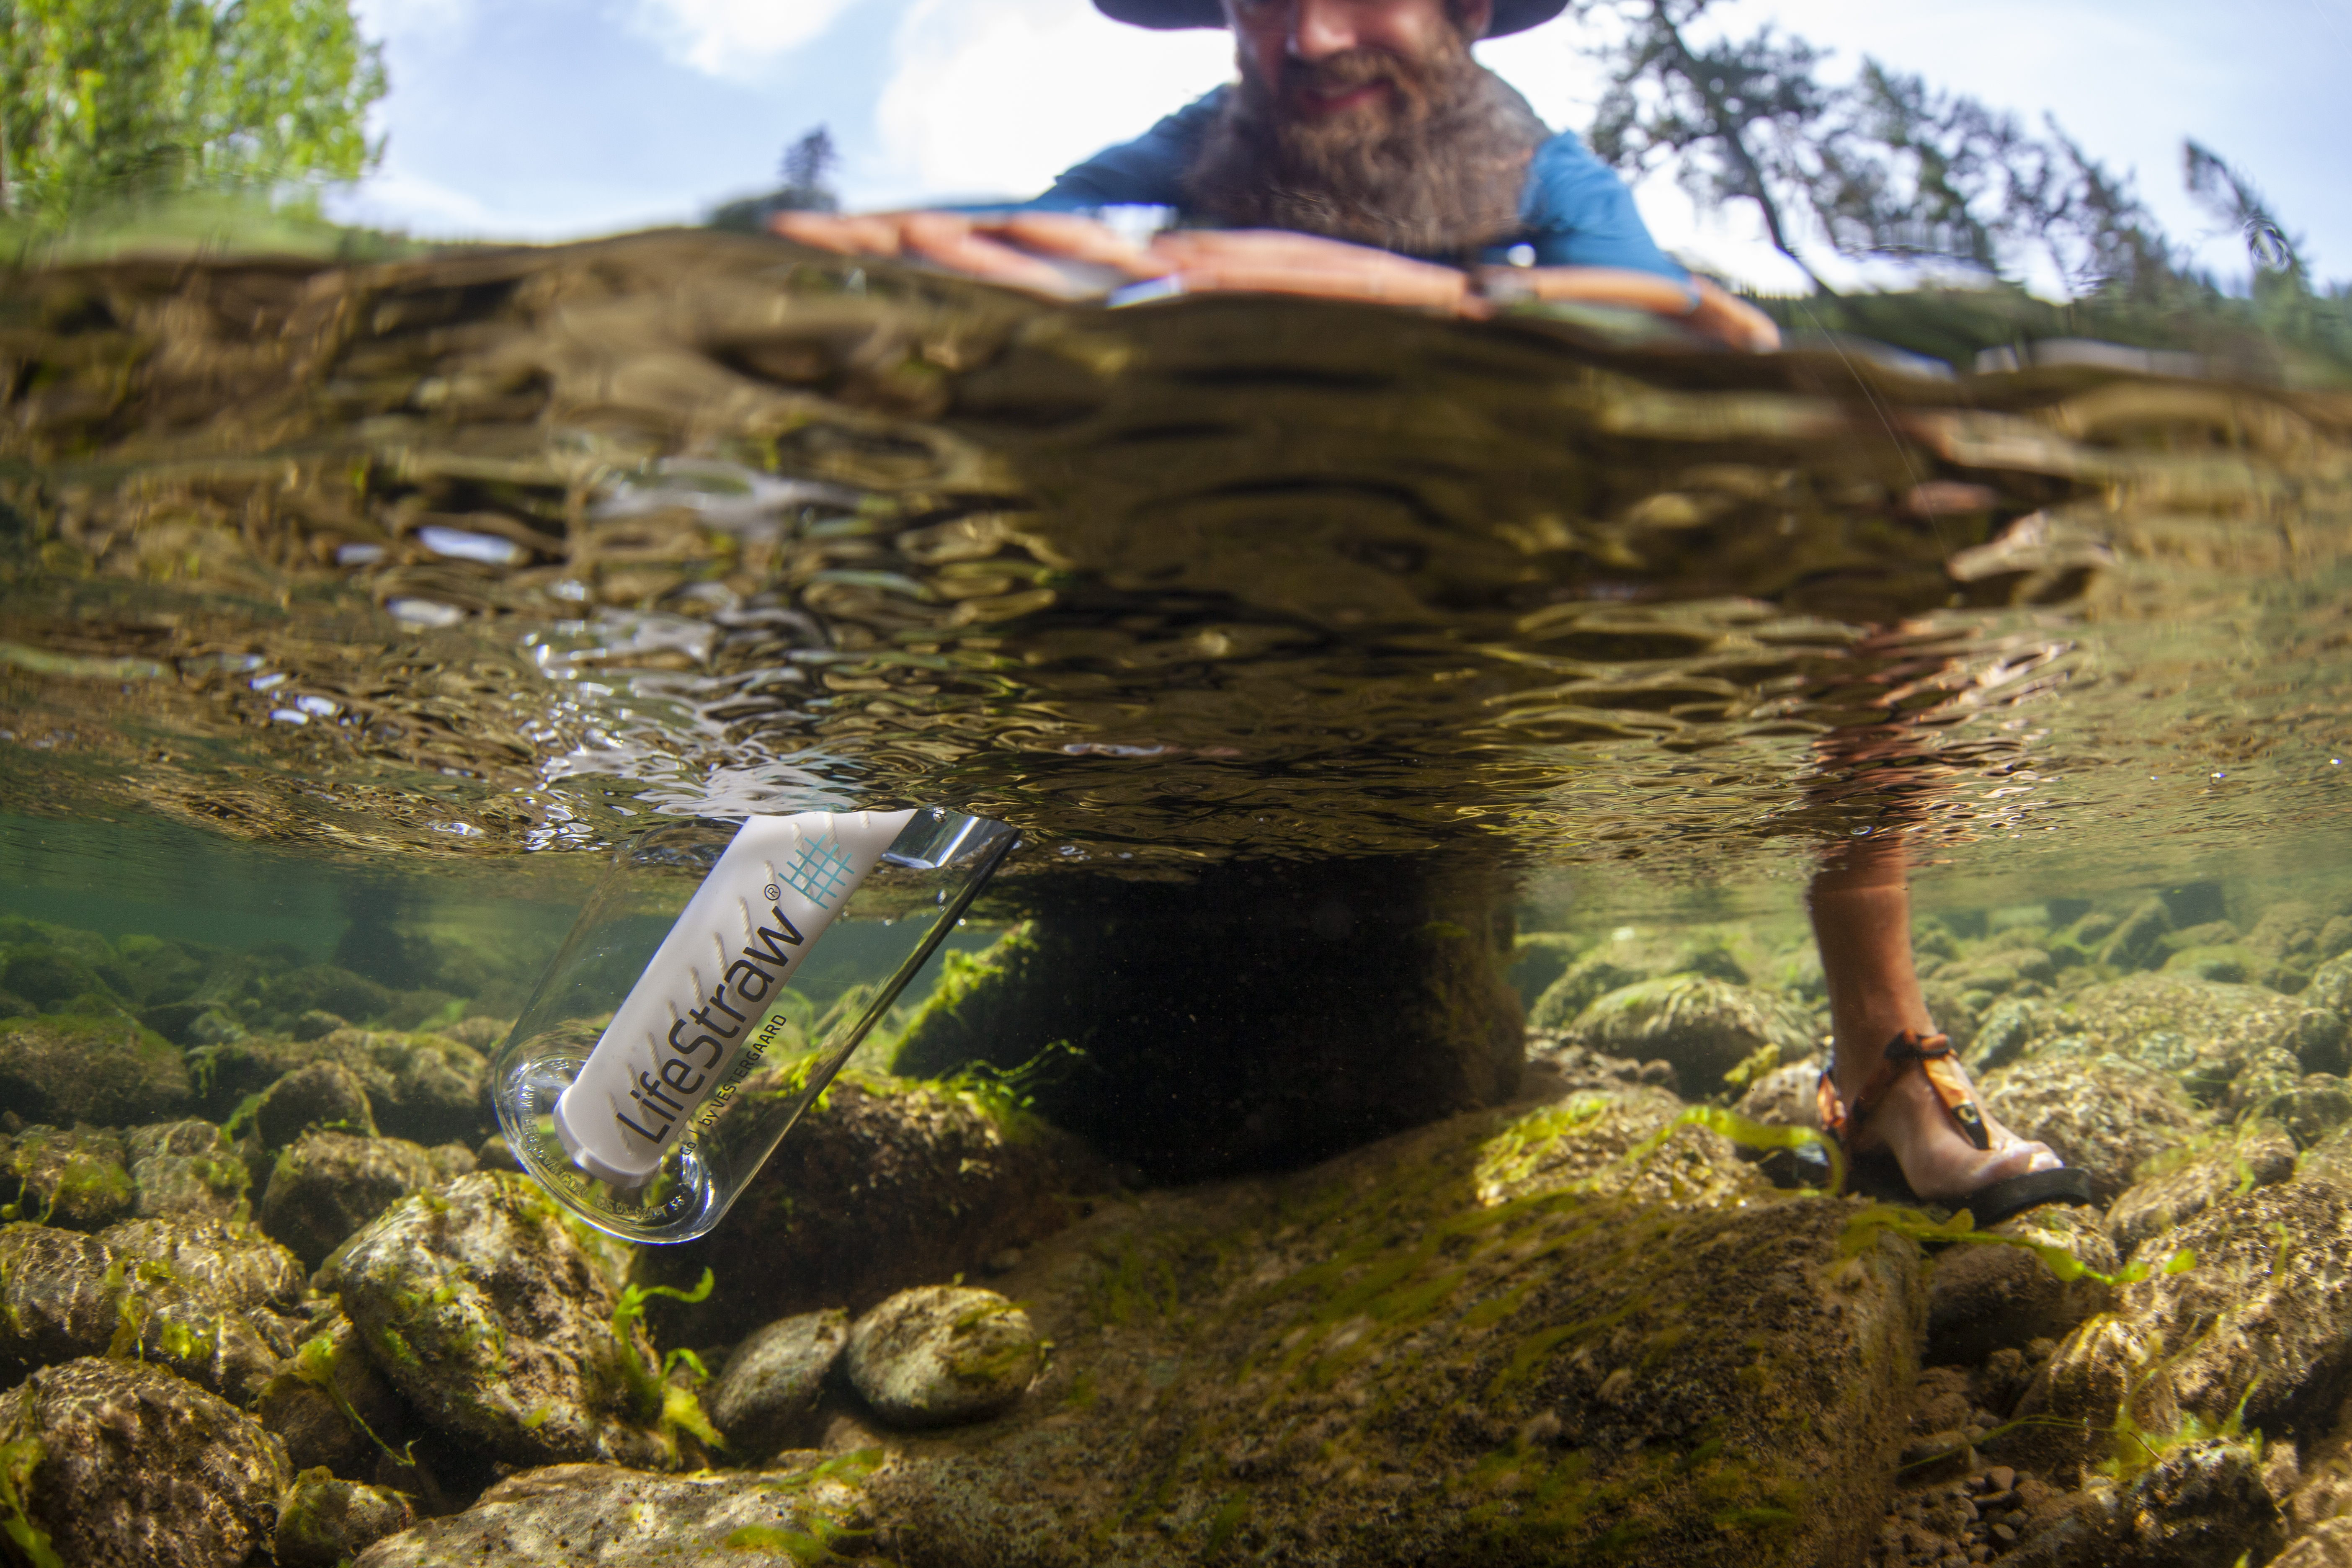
[561, 119]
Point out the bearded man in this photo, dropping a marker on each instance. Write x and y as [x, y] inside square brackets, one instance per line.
[1364, 155]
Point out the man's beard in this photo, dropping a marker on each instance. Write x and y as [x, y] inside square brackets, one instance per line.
[1434, 167]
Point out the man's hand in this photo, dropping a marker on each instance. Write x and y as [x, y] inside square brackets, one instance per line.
[1070, 257]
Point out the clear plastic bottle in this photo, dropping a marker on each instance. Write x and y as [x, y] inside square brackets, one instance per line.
[652, 1072]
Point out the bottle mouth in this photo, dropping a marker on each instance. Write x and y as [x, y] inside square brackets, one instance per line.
[584, 1154]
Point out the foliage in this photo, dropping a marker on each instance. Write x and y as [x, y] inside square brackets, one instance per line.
[808, 173]
[108, 100]
[1887, 167]
[652, 1398]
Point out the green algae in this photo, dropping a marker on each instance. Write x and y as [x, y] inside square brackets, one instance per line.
[654, 1400]
[18, 1460]
[1960, 1229]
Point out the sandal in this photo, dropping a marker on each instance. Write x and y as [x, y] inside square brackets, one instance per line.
[1932, 1055]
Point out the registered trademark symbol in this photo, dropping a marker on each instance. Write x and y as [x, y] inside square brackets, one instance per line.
[771, 892]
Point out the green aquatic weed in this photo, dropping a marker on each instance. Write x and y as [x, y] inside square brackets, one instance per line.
[1961, 1229]
[18, 1460]
[653, 1398]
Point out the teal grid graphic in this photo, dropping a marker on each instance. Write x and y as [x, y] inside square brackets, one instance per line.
[820, 870]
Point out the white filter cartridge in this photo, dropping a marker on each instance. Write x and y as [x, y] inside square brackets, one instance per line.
[703, 1012]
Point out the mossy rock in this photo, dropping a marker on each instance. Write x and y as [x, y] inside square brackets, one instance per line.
[105, 1070]
[1630, 959]
[492, 1310]
[1506, 1340]
[886, 1184]
[1704, 1026]
[75, 1178]
[113, 1464]
[810, 1510]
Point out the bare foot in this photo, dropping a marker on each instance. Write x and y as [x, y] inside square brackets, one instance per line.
[1939, 1164]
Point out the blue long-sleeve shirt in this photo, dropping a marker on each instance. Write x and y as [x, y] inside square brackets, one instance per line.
[1573, 211]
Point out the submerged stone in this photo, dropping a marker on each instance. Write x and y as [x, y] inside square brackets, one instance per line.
[1508, 1340]
[1630, 960]
[941, 1355]
[1704, 1026]
[118, 1464]
[1984, 1296]
[106, 1070]
[771, 1382]
[883, 1185]
[802, 1513]
[419, 1086]
[2193, 1181]
[493, 1311]
[2202, 1032]
[187, 1170]
[324, 1521]
[2260, 1329]
[72, 1177]
[331, 1407]
[2105, 1115]
[329, 1184]
[327, 1096]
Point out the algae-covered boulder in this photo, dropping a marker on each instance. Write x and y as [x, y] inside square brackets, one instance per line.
[802, 1513]
[74, 1177]
[2104, 1114]
[106, 1070]
[2261, 1323]
[1704, 1026]
[418, 1085]
[2202, 1032]
[493, 1311]
[2177, 1188]
[324, 1521]
[231, 1263]
[63, 1295]
[1505, 1339]
[186, 1170]
[324, 1095]
[2331, 986]
[1342, 1000]
[1629, 958]
[331, 1406]
[771, 1382]
[884, 1185]
[329, 1183]
[113, 1464]
[942, 1354]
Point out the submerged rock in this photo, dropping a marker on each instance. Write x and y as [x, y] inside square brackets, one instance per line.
[771, 1382]
[105, 1070]
[324, 1095]
[329, 1184]
[2259, 1328]
[233, 1264]
[324, 1521]
[941, 1355]
[1983, 1296]
[2184, 1187]
[1503, 1339]
[1630, 959]
[884, 1185]
[187, 1170]
[2105, 1114]
[1704, 1026]
[75, 1178]
[2201, 1032]
[118, 1464]
[713, 1519]
[63, 1295]
[331, 1407]
[493, 1311]
[418, 1086]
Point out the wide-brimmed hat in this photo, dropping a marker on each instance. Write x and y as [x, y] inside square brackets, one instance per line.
[1510, 16]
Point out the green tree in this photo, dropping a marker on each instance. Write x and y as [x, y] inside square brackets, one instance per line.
[112, 98]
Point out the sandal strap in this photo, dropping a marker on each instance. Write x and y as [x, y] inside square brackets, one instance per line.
[1932, 1055]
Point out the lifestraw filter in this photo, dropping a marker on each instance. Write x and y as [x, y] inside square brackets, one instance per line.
[705, 1061]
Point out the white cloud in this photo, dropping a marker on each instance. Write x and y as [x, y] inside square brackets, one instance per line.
[739, 39]
[989, 98]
